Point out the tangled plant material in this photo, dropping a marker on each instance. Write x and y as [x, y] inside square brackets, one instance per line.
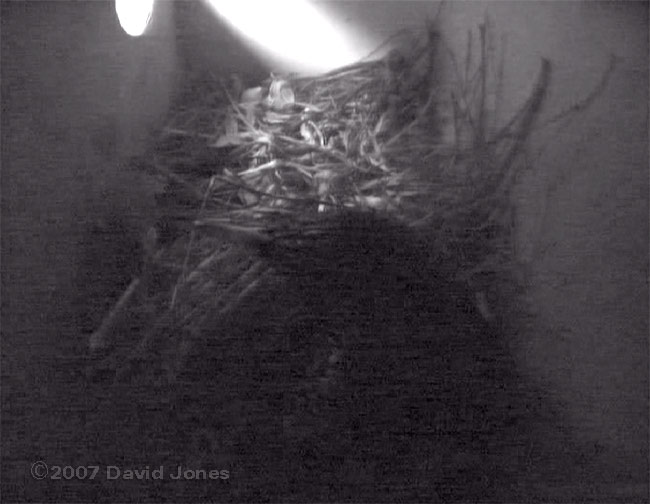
[388, 135]
[368, 136]
[382, 157]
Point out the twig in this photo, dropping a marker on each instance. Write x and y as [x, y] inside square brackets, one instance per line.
[279, 163]
[213, 259]
[317, 148]
[186, 259]
[583, 104]
[100, 339]
[274, 196]
[247, 290]
[529, 114]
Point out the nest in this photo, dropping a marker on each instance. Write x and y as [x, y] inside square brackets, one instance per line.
[377, 173]
[268, 163]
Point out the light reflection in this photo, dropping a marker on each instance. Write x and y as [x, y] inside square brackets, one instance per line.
[292, 31]
[134, 15]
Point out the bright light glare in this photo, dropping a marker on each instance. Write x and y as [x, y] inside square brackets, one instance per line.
[134, 15]
[291, 30]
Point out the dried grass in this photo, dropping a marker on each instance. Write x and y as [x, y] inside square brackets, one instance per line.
[259, 184]
[385, 135]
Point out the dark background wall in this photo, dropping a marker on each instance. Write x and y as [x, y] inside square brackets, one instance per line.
[79, 97]
[583, 219]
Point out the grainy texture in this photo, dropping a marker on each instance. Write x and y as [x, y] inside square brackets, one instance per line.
[358, 373]
[61, 71]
